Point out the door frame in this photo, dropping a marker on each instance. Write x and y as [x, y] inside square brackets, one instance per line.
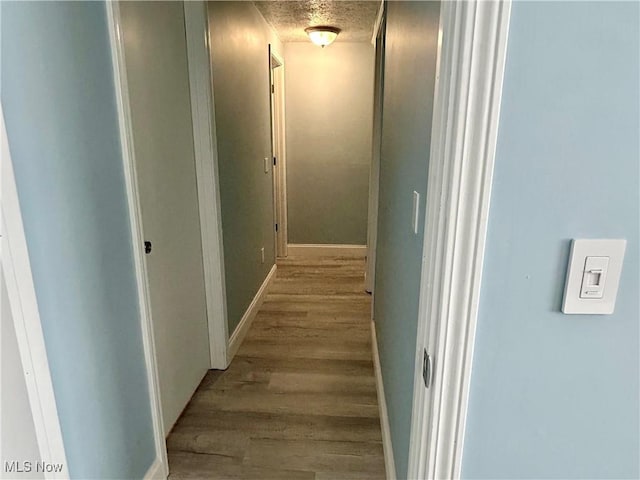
[471, 59]
[160, 467]
[206, 157]
[278, 150]
[16, 269]
[377, 40]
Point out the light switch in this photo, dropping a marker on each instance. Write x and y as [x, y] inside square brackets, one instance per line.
[415, 214]
[593, 276]
[267, 164]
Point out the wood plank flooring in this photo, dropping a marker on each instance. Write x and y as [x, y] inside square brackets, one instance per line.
[299, 399]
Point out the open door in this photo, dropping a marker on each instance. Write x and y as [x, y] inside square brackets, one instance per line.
[157, 75]
[276, 68]
[374, 173]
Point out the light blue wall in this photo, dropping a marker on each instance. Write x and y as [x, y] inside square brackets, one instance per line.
[553, 395]
[59, 105]
[410, 63]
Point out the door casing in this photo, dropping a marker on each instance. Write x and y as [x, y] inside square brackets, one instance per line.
[16, 273]
[206, 157]
[470, 69]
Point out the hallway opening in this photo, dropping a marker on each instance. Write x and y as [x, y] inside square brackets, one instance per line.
[285, 166]
[299, 398]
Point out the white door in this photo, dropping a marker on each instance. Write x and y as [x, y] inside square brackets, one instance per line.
[278, 147]
[158, 86]
[374, 173]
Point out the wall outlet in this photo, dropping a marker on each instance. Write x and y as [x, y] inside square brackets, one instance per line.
[262, 254]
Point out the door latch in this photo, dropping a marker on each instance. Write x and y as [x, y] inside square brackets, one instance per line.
[427, 369]
[147, 247]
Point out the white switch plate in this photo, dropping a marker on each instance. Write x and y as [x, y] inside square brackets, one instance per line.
[593, 276]
[267, 164]
[415, 214]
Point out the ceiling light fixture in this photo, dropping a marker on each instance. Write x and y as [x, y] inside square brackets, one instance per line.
[322, 36]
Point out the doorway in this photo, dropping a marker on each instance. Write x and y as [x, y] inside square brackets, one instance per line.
[374, 174]
[276, 75]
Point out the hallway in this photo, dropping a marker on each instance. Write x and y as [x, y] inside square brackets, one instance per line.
[299, 399]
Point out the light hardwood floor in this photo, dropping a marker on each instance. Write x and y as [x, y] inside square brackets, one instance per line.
[299, 399]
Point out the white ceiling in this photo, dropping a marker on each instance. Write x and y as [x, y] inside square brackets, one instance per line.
[290, 18]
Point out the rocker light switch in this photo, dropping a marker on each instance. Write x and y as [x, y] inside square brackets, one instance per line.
[593, 276]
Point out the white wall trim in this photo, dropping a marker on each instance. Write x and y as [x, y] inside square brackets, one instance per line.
[249, 315]
[389, 462]
[135, 219]
[376, 26]
[16, 268]
[327, 250]
[206, 157]
[472, 51]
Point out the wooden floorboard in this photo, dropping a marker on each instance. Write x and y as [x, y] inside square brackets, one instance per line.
[299, 399]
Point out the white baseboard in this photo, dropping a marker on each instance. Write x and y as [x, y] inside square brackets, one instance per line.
[156, 471]
[389, 462]
[247, 319]
[326, 250]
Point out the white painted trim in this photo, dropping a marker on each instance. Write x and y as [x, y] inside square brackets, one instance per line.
[155, 471]
[376, 25]
[282, 166]
[473, 37]
[247, 319]
[327, 250]
[278, 141]
[389, 462]
[137, 239]
[16, 268]
[374, 171]
[206, 157]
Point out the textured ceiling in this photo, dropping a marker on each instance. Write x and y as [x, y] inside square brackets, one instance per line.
[290, 18]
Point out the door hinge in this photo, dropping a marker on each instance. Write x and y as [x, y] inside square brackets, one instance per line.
[276, 227]
[147, 247]
[427, 369]
[274, 161]
[273, 88]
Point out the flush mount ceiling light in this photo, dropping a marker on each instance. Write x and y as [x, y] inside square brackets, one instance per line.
[322, 36]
